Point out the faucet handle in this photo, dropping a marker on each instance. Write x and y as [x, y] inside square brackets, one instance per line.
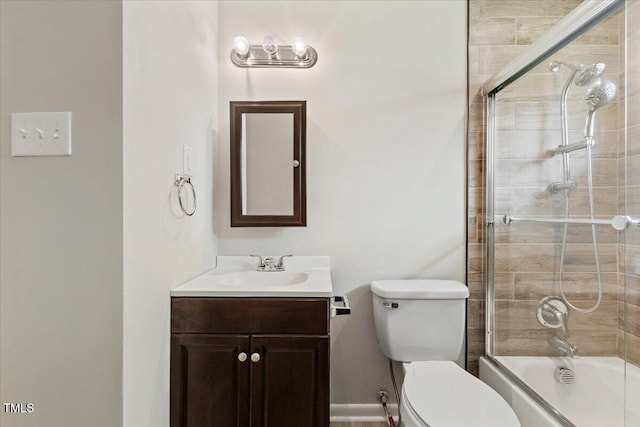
[261, 260]
[552, 312]
[280, 263]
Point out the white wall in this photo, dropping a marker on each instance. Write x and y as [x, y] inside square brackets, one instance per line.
[170, 76]
[61, 217]
[385, 162]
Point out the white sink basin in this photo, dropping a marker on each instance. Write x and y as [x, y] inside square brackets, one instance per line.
[263, 278]
[236, 276]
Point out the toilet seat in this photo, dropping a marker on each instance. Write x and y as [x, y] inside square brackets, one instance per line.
[442, 394]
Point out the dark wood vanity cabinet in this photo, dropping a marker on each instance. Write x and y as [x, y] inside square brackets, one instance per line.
[249, 362]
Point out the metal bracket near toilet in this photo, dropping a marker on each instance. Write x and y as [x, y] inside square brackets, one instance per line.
[340, 311]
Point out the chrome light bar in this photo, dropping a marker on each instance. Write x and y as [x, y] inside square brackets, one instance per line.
[618, 222]
[284, 58]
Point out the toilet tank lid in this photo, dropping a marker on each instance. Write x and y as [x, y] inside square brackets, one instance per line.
[420, 289]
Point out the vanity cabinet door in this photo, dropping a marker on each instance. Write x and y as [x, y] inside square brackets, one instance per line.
[290, 381]
[209, 381]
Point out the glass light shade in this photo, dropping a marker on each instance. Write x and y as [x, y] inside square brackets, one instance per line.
[269, 45]
[299, 47]
[241, 46]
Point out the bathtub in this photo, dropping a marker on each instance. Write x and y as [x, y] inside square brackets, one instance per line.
[596, 397]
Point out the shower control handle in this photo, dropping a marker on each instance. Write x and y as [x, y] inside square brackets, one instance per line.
[552, 312]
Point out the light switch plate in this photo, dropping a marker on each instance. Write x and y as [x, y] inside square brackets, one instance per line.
[41, 134]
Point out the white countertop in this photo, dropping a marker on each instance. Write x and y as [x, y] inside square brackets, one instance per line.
[236, 276]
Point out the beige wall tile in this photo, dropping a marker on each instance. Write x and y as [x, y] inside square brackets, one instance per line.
[505, 115]
[532, 232]
[588, 54]
[631, 293]
[542, 257]
[583, 286]
[475, 173]
[497, 8]
[542, 202]
[475, 342]
[632, 259]
[535, 343]
[631, 319]
[503, 285]
[476, 148]
[521, 315]
[633, 58]
[493, 31]
[473, 367]
[529, 30]
[632, 349]
[526, 144]
[527, 173]
[472, 228]
[475, 314]
[492, 59]
[475, 257]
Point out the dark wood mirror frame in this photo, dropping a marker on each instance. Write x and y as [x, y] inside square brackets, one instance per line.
[299, 110]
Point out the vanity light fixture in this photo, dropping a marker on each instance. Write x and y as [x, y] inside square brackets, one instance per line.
[270, 54]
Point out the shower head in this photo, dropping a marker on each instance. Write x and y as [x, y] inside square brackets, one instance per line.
[590, 74]
[600, 94]
[597, 96]
[582, 75]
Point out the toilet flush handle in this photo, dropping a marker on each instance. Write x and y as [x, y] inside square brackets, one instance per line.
[390, 304]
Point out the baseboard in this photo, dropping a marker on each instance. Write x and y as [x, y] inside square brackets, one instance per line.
[365, 412]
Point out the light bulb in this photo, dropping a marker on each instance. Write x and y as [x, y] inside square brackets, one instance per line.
[269, 45]
[241, 46]
[299, 47]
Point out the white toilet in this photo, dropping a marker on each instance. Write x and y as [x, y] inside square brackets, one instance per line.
[422, 323]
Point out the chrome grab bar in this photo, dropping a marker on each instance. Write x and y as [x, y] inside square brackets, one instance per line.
[618, 222]
[340, 311]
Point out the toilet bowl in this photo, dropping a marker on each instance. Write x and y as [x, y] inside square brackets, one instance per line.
[442, 394]
[422, 323]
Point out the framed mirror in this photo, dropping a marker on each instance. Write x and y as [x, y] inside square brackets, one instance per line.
[268, 185]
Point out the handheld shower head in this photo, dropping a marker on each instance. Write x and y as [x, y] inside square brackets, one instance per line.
[600, 94]
[597, 96]
[590, 74]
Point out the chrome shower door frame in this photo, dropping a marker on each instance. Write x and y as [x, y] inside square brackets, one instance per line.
[584, 17]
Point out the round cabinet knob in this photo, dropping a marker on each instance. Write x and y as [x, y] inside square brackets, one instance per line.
[242, 356]
[255, 357]
[296, 163]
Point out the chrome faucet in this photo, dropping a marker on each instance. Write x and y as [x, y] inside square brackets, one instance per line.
[563, 345]
[269, 263]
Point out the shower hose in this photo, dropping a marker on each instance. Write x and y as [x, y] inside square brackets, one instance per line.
[595, 242]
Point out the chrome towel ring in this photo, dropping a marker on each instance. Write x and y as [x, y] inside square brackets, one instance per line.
[180, 182]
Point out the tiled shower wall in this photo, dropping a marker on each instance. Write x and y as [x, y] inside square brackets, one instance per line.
[527, 254]
[629, 337]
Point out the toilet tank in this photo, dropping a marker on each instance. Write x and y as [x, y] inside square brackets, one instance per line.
[419, 319]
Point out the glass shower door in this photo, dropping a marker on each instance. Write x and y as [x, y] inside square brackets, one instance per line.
[563, 282]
